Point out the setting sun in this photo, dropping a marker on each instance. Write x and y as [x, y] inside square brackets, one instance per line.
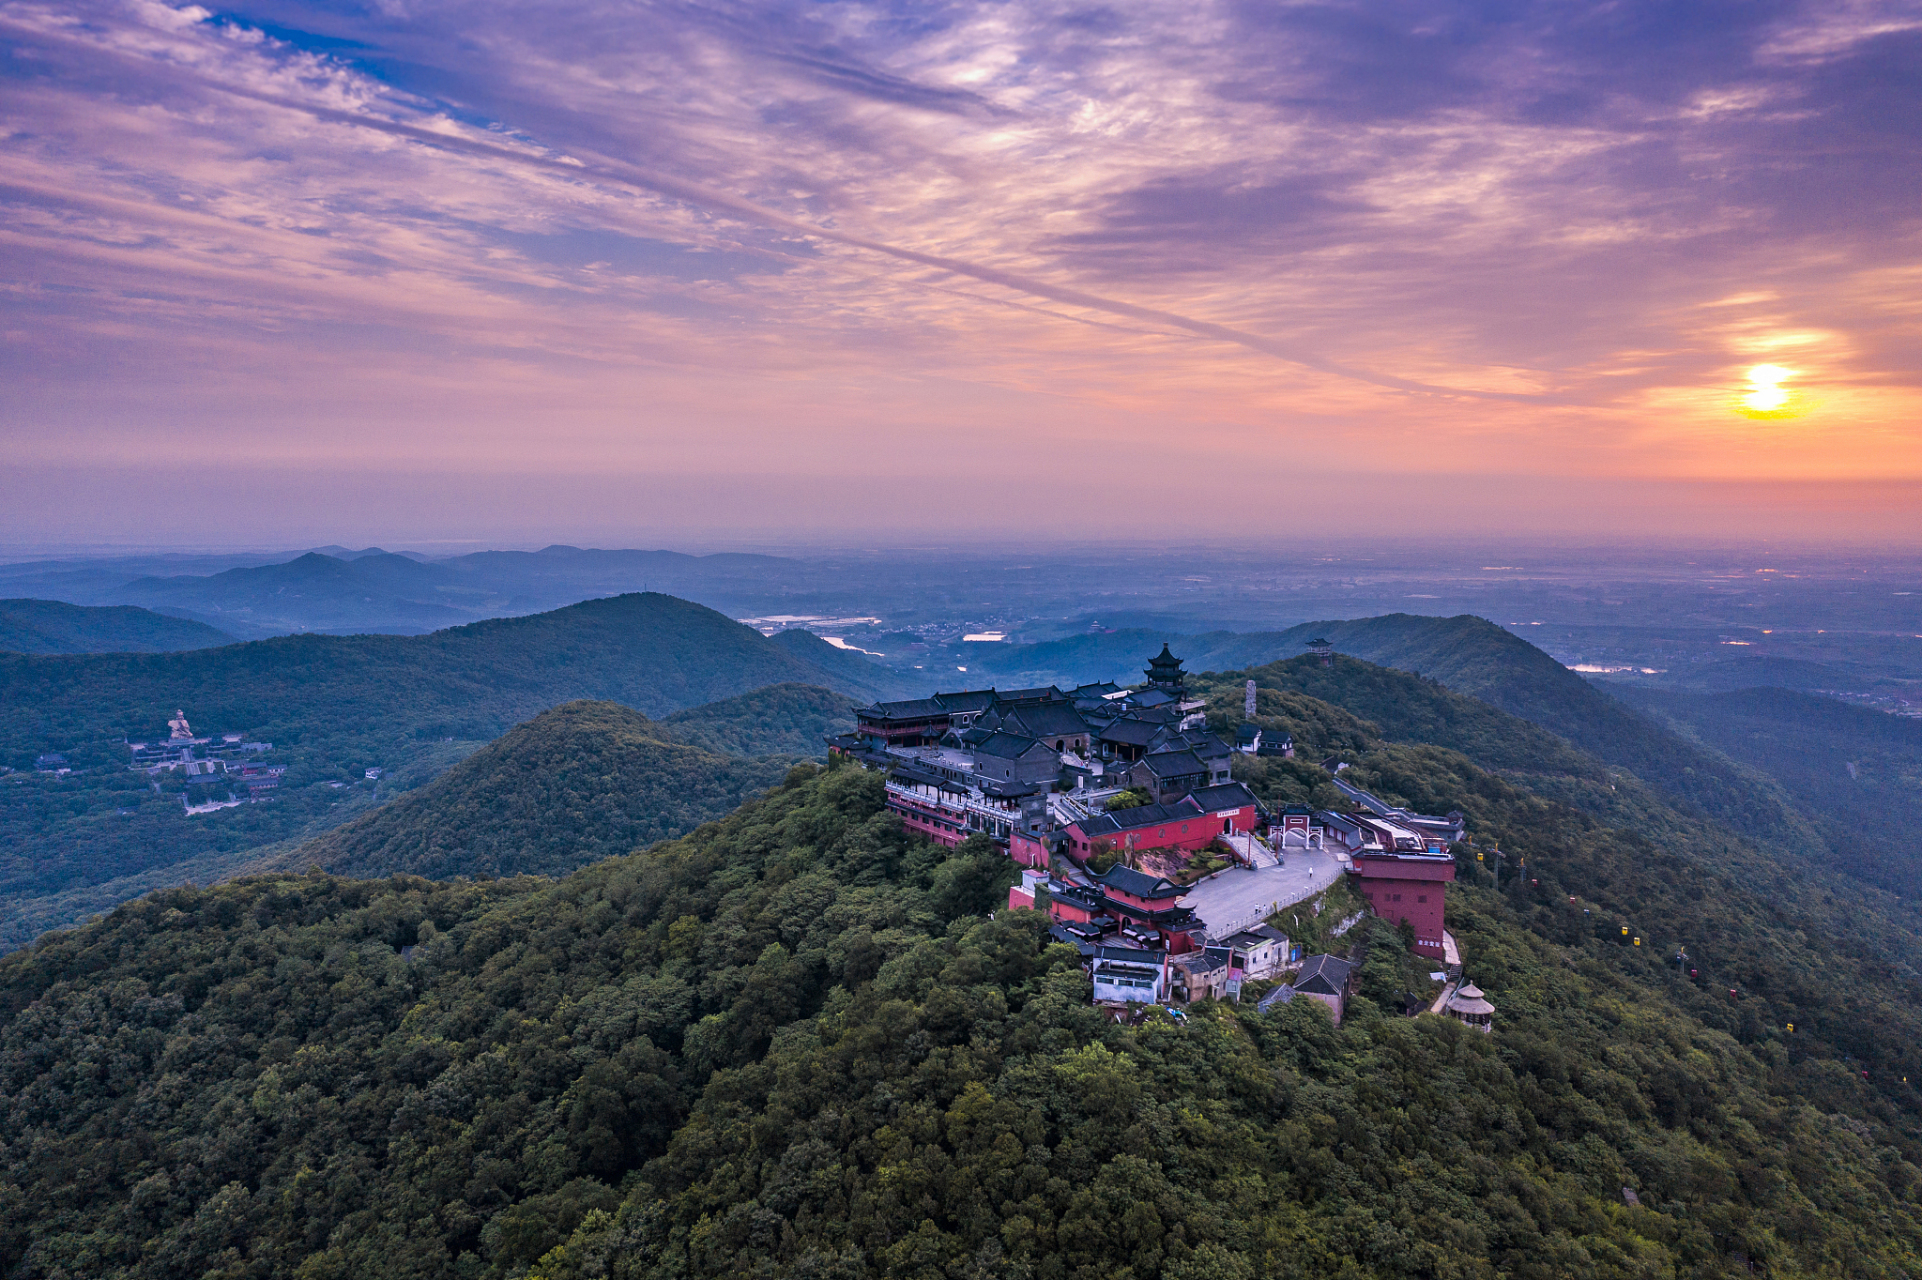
[1766, 397]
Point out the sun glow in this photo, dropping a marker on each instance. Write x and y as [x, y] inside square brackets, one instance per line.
[1766, 397]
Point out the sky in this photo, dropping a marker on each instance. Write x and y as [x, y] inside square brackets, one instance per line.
[300, 272]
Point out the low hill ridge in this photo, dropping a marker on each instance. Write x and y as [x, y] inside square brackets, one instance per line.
[1853, 770]
[782, 719]
[52, 626]
[573, 785]
[339, 591]
[1762, 673]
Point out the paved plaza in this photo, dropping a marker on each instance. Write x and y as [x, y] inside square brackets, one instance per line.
[1242, 897]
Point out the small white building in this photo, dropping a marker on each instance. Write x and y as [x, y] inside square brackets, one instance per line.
[1128, 975]
[1264, 951]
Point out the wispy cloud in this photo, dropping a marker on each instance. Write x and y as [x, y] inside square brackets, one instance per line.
[1291, 228]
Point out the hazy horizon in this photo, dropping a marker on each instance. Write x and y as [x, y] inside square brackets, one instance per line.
[301, 508]
[1406, 548]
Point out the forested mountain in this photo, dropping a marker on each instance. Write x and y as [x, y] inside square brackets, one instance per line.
[334, 707]
[1835, 784]
[572, 785]
[1420, 708]
[650, 652]
[1473, 656]
[1856, 772]
[788, 1044]
[48, 626]
[782, 719]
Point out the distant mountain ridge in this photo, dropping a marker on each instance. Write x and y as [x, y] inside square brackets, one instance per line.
[53, 626]
[338, 591]
[373, 591]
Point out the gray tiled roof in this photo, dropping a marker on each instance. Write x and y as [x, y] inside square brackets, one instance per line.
[1174, 764]
[1005, 746]
[1046, 693]
[1227, 795]
[1109, 951]
[907, 772]
[1050, 720]
[1204, 744]
[910, 709]
[1134, 733]
[1139, 883]
[1280, 995]
[1323, 975]
[1141, 815]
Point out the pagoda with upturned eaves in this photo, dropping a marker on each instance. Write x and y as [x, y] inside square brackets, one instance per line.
[1164, 670]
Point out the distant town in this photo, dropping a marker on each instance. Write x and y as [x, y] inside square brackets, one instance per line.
[1167, 875]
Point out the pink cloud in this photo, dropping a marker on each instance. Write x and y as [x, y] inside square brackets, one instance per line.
[682, 239]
